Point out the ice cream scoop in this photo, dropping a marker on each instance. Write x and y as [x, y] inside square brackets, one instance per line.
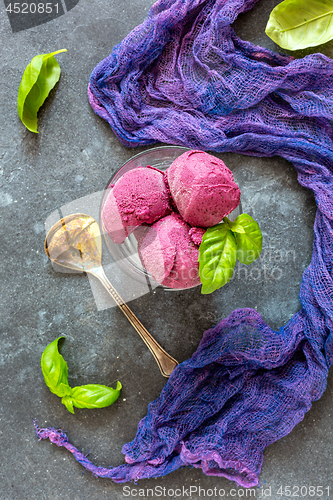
[168, 253]
[139, 196]
[203, 188]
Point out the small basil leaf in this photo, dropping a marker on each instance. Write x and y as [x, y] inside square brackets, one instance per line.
[39, 78]
[249, 243]
[68, 402]
[55, 370]
[94, 395]
[298, 24]
[217, 257]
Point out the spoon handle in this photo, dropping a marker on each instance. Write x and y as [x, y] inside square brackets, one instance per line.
[165, 362]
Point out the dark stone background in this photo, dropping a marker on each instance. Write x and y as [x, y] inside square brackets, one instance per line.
[74, 155]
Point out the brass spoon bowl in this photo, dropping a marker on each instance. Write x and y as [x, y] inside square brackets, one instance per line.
[75, 242]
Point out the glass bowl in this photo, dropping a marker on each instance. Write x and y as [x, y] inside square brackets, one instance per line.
[126, 254]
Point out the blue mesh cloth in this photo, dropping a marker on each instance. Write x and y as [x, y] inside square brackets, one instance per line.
[184, 77]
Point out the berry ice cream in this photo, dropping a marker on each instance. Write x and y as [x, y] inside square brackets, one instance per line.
[139, 196]
[168, 253]
[145, 200]
[202, 188]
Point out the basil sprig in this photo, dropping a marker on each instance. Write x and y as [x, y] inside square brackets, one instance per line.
[222, 245]
[55, 371]
[39, 78]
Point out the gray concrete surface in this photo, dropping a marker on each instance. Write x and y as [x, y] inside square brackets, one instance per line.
[73, 156]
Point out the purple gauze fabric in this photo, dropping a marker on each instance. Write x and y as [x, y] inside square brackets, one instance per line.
[184, 77]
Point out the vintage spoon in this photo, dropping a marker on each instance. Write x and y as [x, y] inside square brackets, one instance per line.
[75, 242]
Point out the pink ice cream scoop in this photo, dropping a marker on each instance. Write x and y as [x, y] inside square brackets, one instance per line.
[139, 196]
[168, 253]
[203, 188]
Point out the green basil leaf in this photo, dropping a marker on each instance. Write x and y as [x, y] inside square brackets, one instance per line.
[68, 402]
[217, 257]
[55, 370]
[249, 243]
[298, 24]
[94, 395]
[39, 78]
